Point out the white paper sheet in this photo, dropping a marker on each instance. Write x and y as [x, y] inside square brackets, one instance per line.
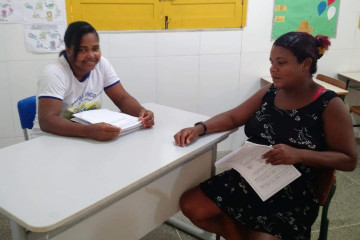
[126, 122]
[265, 179]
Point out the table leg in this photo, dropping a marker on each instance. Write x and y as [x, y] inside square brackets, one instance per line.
[347, 83]
[197, 232]
[17, 231]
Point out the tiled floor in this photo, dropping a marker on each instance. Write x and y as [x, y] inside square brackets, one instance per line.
[344, 213]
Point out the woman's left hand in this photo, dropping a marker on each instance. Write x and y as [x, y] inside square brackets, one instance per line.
[147, 118]
[283, 154]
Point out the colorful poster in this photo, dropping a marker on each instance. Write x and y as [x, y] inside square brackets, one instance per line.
[43, 10]
[311, 16]
[41, 38]
[10, 11]
[44, 22]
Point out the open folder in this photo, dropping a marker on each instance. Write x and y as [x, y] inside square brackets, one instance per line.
[265, 179]
[124, 121]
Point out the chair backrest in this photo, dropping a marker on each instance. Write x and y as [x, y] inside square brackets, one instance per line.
[355, 110]
[333, 81]
[27, 112]
[326, 178]
[325, 189]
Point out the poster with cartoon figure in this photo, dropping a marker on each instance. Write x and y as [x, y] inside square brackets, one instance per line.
[41, 38]
[10, 11]
[43, 10]
[311, 16]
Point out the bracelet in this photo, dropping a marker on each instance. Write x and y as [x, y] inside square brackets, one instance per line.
[203, 125]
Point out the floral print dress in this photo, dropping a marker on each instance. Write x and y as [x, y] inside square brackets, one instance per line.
[290, 213]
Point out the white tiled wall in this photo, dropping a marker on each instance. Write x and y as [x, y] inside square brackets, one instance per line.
[207, 71]
[132, 45]
[7, 120]
[177, 43]
[177, 81]
[218, 83]
[220, 42]
[330, 63]
[138, 75]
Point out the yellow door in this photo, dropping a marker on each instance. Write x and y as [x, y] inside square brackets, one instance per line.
[190, 14]
[115, 14]
[158, 14]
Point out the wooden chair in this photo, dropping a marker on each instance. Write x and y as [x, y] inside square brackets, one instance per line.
[332, 81]
[340, 84]
[326, 185]
[355, 110]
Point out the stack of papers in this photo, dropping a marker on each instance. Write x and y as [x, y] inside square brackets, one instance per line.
[265, 179]
[124, 121]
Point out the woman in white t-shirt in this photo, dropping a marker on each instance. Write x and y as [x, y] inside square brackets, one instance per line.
[74, 83]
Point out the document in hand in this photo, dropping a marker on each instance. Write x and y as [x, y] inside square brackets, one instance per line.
[265, 179]
[126, 122]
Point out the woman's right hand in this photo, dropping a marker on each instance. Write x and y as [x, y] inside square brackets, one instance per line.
[101, 131]
[187, 135]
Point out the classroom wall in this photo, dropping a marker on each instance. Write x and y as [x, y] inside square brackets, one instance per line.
[206, 71]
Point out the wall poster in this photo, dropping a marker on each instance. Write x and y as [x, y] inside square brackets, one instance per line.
[10, 11]
[311, 16]
[42, 38]
[44, 22]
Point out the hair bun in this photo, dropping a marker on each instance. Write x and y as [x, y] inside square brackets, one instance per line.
[323, 44]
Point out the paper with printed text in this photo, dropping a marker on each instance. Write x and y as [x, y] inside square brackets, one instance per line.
[265, 179]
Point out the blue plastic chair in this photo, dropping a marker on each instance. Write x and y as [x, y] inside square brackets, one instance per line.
[27, 112]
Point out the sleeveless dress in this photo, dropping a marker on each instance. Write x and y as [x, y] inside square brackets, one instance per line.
[290, 213]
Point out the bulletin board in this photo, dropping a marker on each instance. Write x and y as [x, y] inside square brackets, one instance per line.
[311, 16]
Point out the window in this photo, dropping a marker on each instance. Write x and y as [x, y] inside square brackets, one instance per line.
[158, 14]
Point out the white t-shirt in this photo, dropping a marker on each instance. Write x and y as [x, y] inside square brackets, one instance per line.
[58, 81]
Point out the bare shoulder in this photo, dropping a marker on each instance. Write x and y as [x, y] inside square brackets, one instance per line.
[336, 106]
[337, 114]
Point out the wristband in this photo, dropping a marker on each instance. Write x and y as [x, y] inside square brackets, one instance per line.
[203, 125]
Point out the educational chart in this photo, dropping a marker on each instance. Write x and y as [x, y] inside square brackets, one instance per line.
[41, 38]
[43, 10]
[45, 25]
[311, 16]
[10, 11]
[44, 22]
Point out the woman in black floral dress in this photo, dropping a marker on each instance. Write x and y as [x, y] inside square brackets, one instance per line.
[308, 127]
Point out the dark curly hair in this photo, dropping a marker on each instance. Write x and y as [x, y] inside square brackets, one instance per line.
[304, 45]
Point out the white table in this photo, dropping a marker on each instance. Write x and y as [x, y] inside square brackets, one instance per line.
[71, 188]
[326, 85]
[350, 76]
